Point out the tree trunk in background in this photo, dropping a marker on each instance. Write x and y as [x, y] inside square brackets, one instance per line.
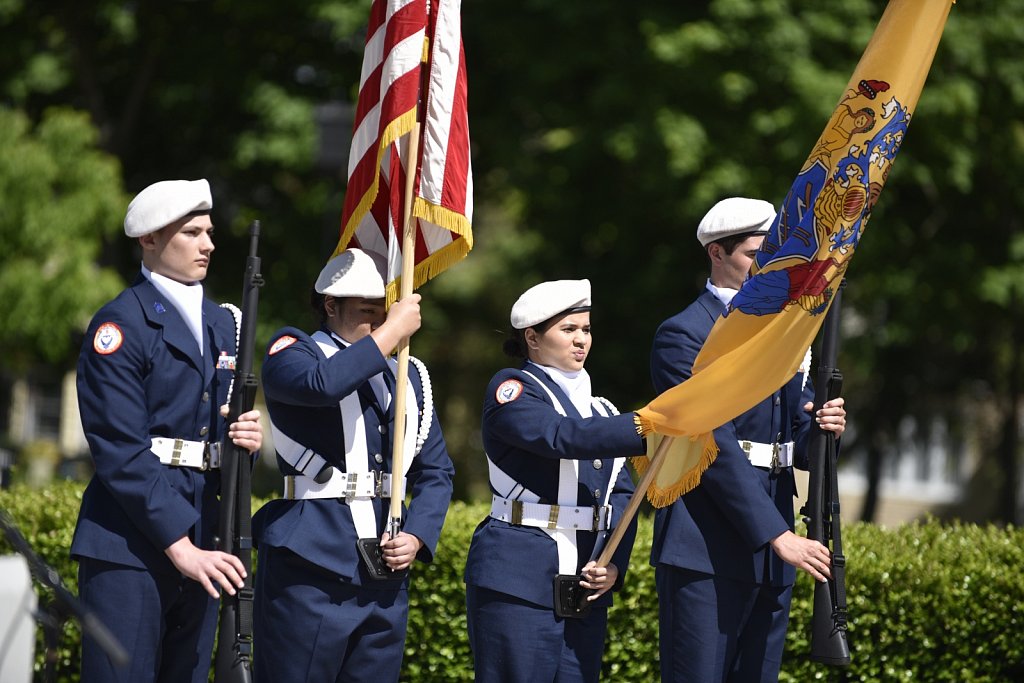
[873, 473]
[1009, 446]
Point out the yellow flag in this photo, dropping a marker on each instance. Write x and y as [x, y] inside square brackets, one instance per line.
[757, 346]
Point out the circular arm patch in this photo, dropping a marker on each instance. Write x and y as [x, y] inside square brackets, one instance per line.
[108, 339]
[508, 391]
[281, 344]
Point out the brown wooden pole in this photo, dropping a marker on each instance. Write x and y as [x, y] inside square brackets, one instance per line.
[634, 502]
[402, 374]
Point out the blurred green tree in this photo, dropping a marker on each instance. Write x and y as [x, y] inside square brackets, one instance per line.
[602, 131]
[61, 197]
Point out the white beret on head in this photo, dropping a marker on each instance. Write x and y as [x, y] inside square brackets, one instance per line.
[548, 299]
[352, 273]
[162, 203]
[735, 216]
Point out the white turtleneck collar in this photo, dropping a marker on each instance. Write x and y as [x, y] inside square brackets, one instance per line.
[187, 299]
[723, 294]
[576, 386]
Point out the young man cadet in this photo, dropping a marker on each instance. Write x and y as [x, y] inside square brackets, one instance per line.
[320, 615]
[154, 371]
[725, 554]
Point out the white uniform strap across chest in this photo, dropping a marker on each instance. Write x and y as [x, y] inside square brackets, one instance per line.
[514, 503]
[358, 485]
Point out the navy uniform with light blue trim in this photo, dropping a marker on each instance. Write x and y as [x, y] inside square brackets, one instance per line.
[317, 609]
[140, 376]
[510, 568]
[716, 537]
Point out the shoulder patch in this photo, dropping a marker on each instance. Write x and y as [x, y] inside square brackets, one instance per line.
[281, 344]
[108, 339]
[508, 391]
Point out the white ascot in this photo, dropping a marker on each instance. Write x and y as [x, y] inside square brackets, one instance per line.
[187, 299]
[576, 386]
[723, 294]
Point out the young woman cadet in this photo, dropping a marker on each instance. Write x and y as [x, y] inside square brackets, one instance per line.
[556, 459]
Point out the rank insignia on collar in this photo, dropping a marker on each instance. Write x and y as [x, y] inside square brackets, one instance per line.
[108, 339]
[508, 391]
[225, 362]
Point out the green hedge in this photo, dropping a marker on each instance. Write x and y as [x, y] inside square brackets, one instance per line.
[928, 602]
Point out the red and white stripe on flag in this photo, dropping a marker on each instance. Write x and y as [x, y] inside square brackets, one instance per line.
[402, 36]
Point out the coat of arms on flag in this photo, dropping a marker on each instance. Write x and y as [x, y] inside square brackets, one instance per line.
[778, 311]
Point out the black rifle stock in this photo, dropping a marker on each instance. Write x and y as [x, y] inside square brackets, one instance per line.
[233, 663]
[829, 619]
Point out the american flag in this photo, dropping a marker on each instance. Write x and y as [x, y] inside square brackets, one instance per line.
[413, 65]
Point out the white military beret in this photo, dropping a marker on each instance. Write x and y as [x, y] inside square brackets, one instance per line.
[735, 216]
[162, 203]
[548, 299]
[352, 273]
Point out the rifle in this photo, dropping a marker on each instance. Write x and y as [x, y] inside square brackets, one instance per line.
[829, 618]
[234, 635]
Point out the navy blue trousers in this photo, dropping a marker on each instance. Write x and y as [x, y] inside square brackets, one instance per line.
[515, 641]
[715, 629]
[166, 623]
[310, 626]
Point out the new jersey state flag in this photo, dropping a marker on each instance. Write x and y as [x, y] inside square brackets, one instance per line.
[758, 345]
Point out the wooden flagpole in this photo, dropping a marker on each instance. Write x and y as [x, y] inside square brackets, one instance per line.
[634, 502]
[405, 290]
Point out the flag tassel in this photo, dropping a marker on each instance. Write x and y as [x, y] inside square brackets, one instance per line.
[660, 495]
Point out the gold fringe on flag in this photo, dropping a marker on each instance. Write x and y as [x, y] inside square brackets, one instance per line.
[694, 455]
[429, 267]
[394, 130]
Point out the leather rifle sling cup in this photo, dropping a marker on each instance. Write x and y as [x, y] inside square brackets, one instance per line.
[570, 597]
[373, 560]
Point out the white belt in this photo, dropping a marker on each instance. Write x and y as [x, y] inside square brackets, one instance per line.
[340, 485]
[182, 453]
[551, 516]
[773, 455]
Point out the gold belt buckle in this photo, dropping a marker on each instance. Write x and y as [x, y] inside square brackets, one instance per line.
[176, 452]
[517, 512]
[553, 517]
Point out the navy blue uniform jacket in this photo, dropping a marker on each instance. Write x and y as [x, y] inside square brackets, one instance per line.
[527, 438]
[155, 384]
[724, 525]
[302, 388]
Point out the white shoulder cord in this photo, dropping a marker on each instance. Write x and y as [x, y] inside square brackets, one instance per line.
[805, 368]
[607, 404]
[237, 315]
[427, 412]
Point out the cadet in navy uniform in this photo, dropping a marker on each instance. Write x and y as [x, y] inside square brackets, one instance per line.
[725, 553]
[319, 614]
[155, 368]
[556, 457]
